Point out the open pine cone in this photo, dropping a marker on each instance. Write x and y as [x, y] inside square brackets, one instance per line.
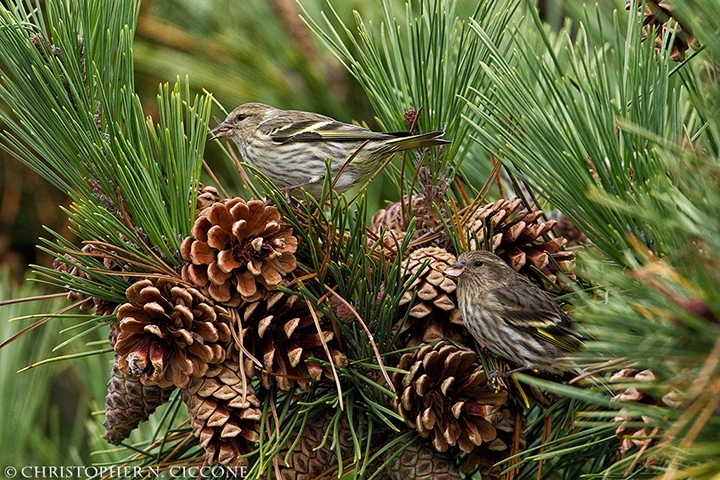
[486, 457]
[658, 18]
[390, 223]
[628, 432]
[225, 414]
[445, 396]
[434, 314]
[238, 250]
[168, 333]
[280, 333]
[516, 235]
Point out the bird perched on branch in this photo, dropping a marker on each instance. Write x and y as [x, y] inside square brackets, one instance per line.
[509, 315]
[291, 147]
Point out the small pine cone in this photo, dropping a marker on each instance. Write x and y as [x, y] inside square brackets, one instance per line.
[445, 396]
[102, 307]
[207, 197]
[238, 250]
[516, 235]
[169, 333]
[420, 461]
[658, 18]
[280, 333]
[224, 413]
[129, 402]
[434, 314]
[632, 436]
[568, 230]
[315, 453]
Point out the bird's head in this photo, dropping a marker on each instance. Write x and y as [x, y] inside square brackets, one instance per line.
[478, 263]
[242, 121]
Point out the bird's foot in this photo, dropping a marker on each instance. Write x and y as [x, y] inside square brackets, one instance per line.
[494, 375]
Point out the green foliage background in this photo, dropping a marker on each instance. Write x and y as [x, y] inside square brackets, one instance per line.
[552, 97]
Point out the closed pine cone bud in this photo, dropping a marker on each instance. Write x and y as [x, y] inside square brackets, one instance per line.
[238, 250]
[280, 333]
[445, 396]
[129, 402]
[207, 197]
[433, 314]
[516, 235]
[315, 453]
[224, 413]
[169, 333]
[420, 461]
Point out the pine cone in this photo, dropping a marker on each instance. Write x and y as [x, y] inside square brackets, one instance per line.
[420, 461]
[280, 333]
[658, 19]
[102, 307]
[224, 414]
[238, 250]
[169, 333]
[390, 223]
[516, 236]
[315, 454]
[434, 314]
[445, 396]
[486, 457]
[636, 437]
[129, 402]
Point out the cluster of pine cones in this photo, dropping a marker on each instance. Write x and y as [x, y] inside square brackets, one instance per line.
[231, 323]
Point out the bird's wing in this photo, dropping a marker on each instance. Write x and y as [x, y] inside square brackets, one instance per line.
[318, 128]
[536, 313]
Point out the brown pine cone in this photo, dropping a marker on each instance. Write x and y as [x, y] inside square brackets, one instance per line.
[281, 334]
[129, 402]
[390, 223]
[658, 18]
[238, 250]
[224, 413]
[445, 397]
[433, 314]
[315, 454]
[516, 235]
[169, 333]
[102, 307]
[636, 436]
[486, 457]
[420, 461]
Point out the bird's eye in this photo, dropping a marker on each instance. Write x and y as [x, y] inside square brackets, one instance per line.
[478, 263]
[240, 117]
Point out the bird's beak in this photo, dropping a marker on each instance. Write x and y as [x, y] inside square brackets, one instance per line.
[455, 270]
[221, 130]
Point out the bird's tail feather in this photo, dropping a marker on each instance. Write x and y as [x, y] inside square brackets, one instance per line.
[418, 141]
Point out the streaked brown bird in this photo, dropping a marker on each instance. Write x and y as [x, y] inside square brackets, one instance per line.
[291, 147]
[511, 316]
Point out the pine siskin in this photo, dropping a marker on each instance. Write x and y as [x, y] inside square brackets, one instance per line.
[291, 147]
[509, 315]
